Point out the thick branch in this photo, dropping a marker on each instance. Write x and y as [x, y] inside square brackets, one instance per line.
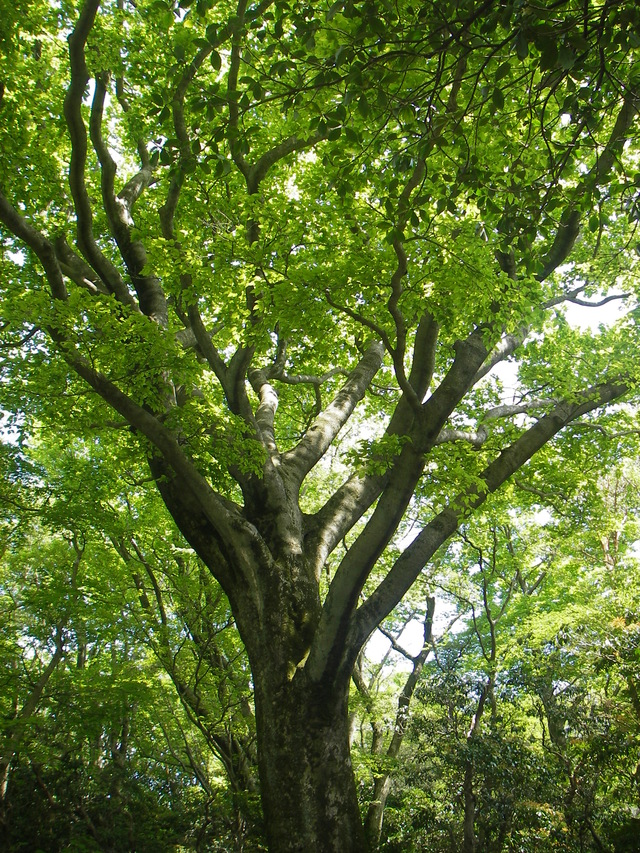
[470, 354]
[77, 269]
[398, 352]
[328, 424]
[563, 243]
[353, 499]
[237, 539]
[78, 136]
[511, 459]
[230, 378]
[266, 412]
[309, 379]
[569, 226]
[119, 213]
[39, 245]
[424, 355]
[619, 135]
[256, 173]
[507, 346]
[168, 210]
[476, 439]
[481, 434]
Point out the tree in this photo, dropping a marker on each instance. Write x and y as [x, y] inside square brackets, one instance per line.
[524, 733]
[95, 751]
[133, 606]
[236, 228]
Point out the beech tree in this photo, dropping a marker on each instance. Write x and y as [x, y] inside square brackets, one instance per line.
[234, 229]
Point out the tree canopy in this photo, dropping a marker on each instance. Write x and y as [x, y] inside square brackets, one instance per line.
[307, 270]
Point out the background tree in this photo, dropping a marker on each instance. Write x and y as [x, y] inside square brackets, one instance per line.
[198, 201]
[97, 751]
[525, 731]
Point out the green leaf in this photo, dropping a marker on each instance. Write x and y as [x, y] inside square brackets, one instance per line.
[363, 106]
[549, 54]
[502, 71]
[566, 57]
[522, 46]
[341, 55]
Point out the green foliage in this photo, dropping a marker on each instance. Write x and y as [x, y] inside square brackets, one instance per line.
[229, 232]
[106, 755]
[547, 632]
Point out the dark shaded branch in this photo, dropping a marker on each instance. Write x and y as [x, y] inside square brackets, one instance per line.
[619, 135]
[255, 174]
[38, 244]
[226, 521]
[563, 243]
[151, 297]
[398, 352]
[569, 226]
[206, 345]
[424, 355]
[77, 269]
[586, 304]
[470, 355]
[230, 377]
[395, 645]
[168, 210]
[78, 136]
[232, 88]
[362, 320]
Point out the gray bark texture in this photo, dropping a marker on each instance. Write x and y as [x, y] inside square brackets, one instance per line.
[307, 783]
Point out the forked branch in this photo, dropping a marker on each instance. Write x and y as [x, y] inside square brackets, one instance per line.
[78, 136]
[408, 566]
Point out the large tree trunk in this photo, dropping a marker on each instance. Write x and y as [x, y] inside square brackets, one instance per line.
[308, 787]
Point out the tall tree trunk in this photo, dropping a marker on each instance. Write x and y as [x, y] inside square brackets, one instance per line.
[308, 787]
[382, 782]
[468, 823]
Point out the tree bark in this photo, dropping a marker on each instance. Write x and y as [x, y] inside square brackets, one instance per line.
[468, 823]
[307, 783]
